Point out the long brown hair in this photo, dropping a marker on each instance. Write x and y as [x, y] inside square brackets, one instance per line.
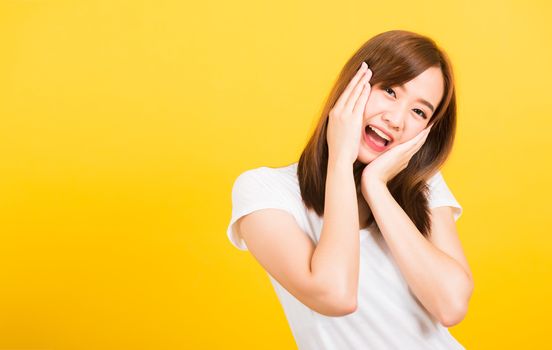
[395, 57]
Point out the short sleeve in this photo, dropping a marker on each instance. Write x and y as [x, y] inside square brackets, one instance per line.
[254, 190]
[440, 195]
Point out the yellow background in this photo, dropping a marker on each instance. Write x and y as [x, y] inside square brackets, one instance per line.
[125, 123]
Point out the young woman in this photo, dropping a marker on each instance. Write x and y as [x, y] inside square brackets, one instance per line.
[358, 237]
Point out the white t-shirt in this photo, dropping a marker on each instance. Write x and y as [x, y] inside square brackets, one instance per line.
[388, 315]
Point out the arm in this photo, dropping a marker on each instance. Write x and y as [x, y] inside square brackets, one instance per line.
[441, 283]
[323, 277]
[336, 258]
[280, 246]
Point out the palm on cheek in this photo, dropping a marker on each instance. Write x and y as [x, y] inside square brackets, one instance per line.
[390, 163]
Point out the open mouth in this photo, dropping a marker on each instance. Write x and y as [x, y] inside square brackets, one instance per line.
[376, 138]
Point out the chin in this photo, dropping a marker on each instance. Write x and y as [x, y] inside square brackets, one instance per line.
[366, 155]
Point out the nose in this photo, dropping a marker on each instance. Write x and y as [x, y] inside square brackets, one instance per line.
[394, 119]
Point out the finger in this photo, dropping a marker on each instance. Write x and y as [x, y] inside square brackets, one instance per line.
[413, 142]
[358, 99]
[342, 100]
[353, 97]
[418, 137]
[421, 138]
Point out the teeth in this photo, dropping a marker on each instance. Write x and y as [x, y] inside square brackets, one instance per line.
[380, 133]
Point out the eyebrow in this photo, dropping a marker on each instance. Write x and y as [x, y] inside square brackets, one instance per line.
[425, 102]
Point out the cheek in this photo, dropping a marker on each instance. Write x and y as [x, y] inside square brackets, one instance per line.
[411, 130]
[374, 104]
[415, 130]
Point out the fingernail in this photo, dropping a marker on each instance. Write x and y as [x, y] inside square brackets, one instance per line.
[363, 65]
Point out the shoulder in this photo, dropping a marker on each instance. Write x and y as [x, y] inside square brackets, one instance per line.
[281, 181]
[435, 178]
[439, 194]
[264, 188]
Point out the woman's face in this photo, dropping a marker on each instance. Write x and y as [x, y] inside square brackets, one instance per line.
[401, 112]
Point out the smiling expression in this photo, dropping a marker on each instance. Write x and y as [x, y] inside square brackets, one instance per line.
[401, 111]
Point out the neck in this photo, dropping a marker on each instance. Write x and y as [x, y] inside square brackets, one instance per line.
[363, 210]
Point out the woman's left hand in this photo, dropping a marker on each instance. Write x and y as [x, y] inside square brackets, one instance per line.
[393, 161]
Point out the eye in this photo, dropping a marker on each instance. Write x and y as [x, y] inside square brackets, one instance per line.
[420, 112]
[390, 91]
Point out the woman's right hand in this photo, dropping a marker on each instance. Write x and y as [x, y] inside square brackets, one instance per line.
[345, 118]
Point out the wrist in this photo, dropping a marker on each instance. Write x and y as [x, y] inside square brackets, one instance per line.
[339, 162]
[371, 187]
